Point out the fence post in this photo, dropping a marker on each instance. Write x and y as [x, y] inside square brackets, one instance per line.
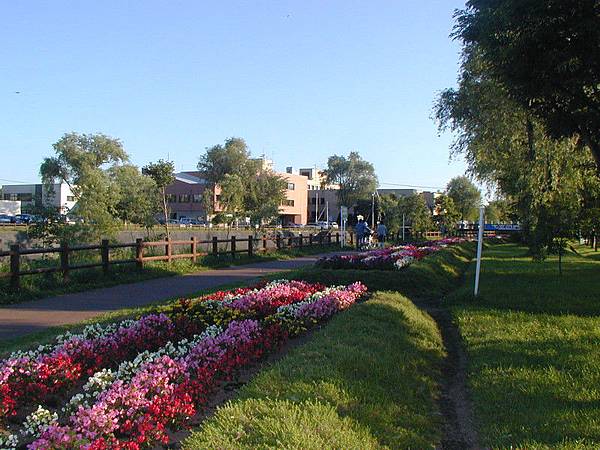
[64, 260]
[329, 238]
[139, 252]
[250, 245]
[291, 241]
[104, 252]
[310, 239]
[168, 249]
[300, 238]
[278, 242]
[320, 239]
[15, 267]
[193, 249]
[337, 237]
[233, 246]
[215, 245]
[264, 243]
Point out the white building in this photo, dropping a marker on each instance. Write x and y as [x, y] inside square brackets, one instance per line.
[59, 196]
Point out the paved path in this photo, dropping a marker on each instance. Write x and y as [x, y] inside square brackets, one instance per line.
[23, 318]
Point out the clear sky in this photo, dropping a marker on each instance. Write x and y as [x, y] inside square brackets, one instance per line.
[299, 80]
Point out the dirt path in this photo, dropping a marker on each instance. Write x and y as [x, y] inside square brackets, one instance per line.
[459, 427]
[28, 317]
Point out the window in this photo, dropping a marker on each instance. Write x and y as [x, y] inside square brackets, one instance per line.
[25, 197]
[171, 198]
[70, 198]
[184, 198]
[196, 198]
[287, 203]
[291, 186]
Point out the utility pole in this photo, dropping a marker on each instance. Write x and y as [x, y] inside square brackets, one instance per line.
[373, 211]
[403, 216]
[479, 248]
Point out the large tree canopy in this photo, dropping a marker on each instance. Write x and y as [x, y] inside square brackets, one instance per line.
[355, 176]
[84, 162]
[247, 189]
[546, 55]
[465, 196]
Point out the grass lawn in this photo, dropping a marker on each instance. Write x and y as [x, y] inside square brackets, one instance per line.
[533, 342]
[47, 285]
[366, 380]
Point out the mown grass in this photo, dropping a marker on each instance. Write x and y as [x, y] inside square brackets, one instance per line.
[366, 380]
[533, 343]
[426, 279]
[47, 285]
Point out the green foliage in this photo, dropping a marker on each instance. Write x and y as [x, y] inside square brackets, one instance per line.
[545, 54]
[414, 208]
[84, 161]
[245, 187]
[465, 196]
[138, 196]
[533, 346]
[355, 176]
[447, 214]
[343, 390]
[162, 173]
[546, 184]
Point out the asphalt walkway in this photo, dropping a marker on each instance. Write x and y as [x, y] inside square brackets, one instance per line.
[23, 318]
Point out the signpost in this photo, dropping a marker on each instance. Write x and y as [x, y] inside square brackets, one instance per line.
[343, 222]
[479, 247]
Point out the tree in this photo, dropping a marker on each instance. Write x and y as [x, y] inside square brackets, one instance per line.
[544, 180]
[138, 200]
[416, 211]
[447, 214]
[465, 195]
[546, 55]
[162, 172]
[84, 161]
[246, 187]
[355, 176]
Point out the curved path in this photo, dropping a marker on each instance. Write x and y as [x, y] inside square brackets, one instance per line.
[23, 318]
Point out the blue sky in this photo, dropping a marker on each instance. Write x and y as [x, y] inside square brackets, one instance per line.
[299, 80]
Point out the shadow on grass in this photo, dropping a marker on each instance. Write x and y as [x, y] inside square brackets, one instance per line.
[376, 364]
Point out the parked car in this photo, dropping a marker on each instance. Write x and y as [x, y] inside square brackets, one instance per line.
[26, 218]
[188, 221]
[5, 218]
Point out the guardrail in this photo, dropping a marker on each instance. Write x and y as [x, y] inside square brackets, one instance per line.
[253, 245]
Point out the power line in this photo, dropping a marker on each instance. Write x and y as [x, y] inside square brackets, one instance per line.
[16, 181]
[413, 186]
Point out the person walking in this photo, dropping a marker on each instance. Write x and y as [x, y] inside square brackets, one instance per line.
[361, 231]
[381, 234]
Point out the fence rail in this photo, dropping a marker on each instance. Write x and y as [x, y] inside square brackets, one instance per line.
[253, 245]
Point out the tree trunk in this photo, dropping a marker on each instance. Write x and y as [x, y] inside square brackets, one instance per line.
[165, 212]
[560, 251]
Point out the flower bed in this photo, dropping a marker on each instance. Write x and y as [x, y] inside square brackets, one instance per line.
[389, 258]
[126, 385]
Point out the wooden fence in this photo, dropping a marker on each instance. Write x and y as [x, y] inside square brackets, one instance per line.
[171, 247]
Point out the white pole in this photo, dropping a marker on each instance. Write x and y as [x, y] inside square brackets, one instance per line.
[479, 247]
[402, 227]
[327, 212]
[373, 211]
[317, 207]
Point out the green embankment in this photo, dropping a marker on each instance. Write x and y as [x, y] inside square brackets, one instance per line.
[533, 343]
[368, 379]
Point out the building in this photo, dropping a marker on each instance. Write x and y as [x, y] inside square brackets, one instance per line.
[184, 197]
[59, 196]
